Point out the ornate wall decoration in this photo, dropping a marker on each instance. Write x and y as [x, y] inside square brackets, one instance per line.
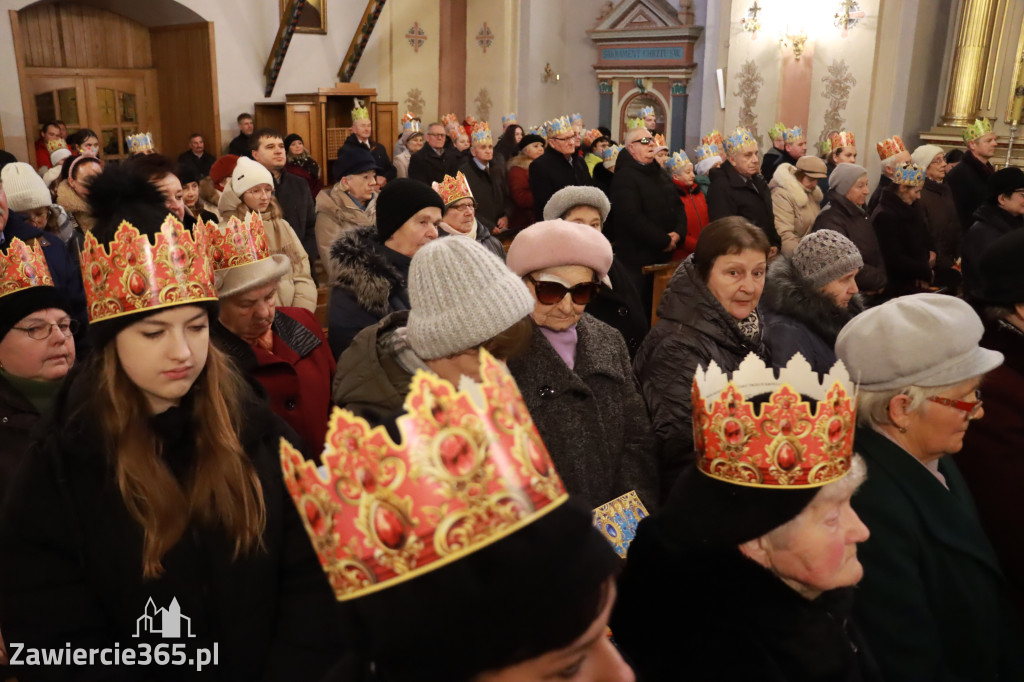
[416, 36]
[414, 101]
[837, 86]
[483, 105]
[484, 37]
[748, 87]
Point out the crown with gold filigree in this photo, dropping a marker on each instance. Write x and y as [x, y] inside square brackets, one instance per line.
[715, 138]
[611, 154]
[739, 140]
[360, 112]
[799, 434]
[539, 132]
[646, 111]
[890, 147]
[617, 520]
[509, 119]
[659, 140]
[558, 126]
[825, 147]
[775, 132]
[136, 274]
[236, 242]
[23, 267]
[677, 160]
[794, 134]
[139, 143]
[908, 174]
[470, 469]
[481, 134]
[451, 125]
[576, 121]
[591, 135]
[707, 151]
[980, 127]
[842, 138]
[452, 189]
[634, 123]
[411, 126]
[54, 145]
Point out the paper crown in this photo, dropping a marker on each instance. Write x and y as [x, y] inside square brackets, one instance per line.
[890, 147]
[236, 242]
[557, 126]
[794, 134]
[481, 134]
[677, 160]
[715, 138]
[540, 132]
[451, 124]
[659, 140]
[909, 174]
[611, 154]
[452, 189]
[470, 469]
[23, 267]
[411, 126]
[617, 520]
[591, 135]
[409, 116]
[646, 111]
[707, 151]
[54, 145]
[576, 121]
[782, 443]
[136, 274]
[139, 143]
[360, 113]
[981, 126]
[509, 119]
[842, 138]
[739, 140]
[634, 123]
[775, 132]
[824, 147]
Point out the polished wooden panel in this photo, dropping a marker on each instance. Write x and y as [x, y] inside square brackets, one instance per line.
[386, 121]
[271, 115]
[452, 57]
[67, 35]
[185, 67]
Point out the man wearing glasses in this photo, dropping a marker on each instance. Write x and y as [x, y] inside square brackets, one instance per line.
[559, 166]
[437, 158]
[1002, 212]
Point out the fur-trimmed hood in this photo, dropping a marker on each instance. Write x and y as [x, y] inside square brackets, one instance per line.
[787, 293]
[785, 179]
[368, 269]
[520, 161]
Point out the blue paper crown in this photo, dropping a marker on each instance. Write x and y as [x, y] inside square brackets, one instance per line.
[677, 160]
[558, 126]
[576, 119]
[707, 151]
[739, 140]
[509, 119]
[141, 142]
[794, 134]
[612, 153]
[412, 126]
[541, 132]
[481, 134]
[908, 174]
[646, 111]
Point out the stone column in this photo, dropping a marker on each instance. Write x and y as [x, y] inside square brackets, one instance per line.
[970, 59]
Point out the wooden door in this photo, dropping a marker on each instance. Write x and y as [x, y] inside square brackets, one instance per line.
[119, 106]
[58, 98]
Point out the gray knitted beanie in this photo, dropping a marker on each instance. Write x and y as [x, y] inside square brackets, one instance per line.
[825, 255]
[461, 295]
[844, 176]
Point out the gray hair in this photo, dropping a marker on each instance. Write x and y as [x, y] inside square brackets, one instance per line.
[873, 406]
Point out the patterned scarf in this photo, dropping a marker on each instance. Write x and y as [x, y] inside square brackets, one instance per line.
[750, 326]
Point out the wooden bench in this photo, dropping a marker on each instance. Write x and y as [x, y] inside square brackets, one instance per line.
[662, 275]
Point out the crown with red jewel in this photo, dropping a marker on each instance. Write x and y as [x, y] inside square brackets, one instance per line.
[237, 242]
[591, 135]
[470, 469]
[22, 267]
[842, 138]
[659, 140]
[451, 125]
[715, 138]
[890, 147]
[452, 189]
[783, 441]
[55, 144]
[136, 274]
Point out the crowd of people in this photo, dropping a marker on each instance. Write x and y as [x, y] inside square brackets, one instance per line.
[794, 416]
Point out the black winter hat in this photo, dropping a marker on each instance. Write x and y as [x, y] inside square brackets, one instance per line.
[17, 306]
[1004, 181]
[186, 173]
[288, 142]
[353, 160]
[530, 138]
[1002, 280]
[400, 200]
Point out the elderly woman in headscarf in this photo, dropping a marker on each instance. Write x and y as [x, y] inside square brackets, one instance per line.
[575, 375]
[753, 561]
[934, 603]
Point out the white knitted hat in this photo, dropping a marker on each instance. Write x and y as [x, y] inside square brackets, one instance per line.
[58, 155]
[461, 295]
[925, 154]
[248, 174]
[24, 188]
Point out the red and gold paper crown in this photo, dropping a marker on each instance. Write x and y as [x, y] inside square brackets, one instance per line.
[23, 267]
[451, 125]
[591, 135]
[843, 138]
[715, 138]
[784, 442]
[409, 116]
[469, 471]
[890, 147]
[481, 134]
[659, 140]
[136, 274]
[452, 189]
[55, 144]
[240, 242]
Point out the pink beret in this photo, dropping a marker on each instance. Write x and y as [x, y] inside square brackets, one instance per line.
[553, 243]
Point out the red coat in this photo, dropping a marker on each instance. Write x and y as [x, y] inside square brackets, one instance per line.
[42, 154]
[696, 217]
[522, 198]
[297, 375]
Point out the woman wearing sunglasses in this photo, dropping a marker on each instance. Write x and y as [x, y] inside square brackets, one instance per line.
[934, 603]
[575, 375]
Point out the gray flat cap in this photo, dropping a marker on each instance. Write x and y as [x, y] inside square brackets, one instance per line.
[576, 195]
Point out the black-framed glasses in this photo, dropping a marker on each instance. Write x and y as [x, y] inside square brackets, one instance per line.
[644, 140]
[550, 293]
[970, 407]
[42, 330]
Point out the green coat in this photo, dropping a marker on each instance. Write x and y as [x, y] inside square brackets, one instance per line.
[933, 603]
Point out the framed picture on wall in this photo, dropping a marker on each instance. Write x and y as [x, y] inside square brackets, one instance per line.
[313, 19]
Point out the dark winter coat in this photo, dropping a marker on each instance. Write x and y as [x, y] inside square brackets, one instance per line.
[969, 182]
[369, 282]
[939, 209]
[849, 220]
[200, 164]
[489, 191]
[483, 237]
[992, 460]
[603, 179]
[769, 161]
[292, 193]
[520, 194]
[884, 183]
[933, 603]
[905, 244]
[645, 209]
[732, 194]
[731, 619]
[428, 166]
[990, 223]
[297, 375]
[591, 418]
[621, 306]
[18, 416]
[800, 318]
[379, 153]
[72, 563]
[551, 171]
[693, 330]
[239, 146]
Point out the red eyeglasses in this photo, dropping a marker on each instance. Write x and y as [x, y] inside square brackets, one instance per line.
[971, 408]
[550, 293]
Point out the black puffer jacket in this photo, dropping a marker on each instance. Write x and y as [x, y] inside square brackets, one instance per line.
[849, 220]
[905, 244]
[645, 208]
[693, 330]
[551, 171]
[732, 194]
[990, 223]
[799, 318]
[939, 210]
[621, 306]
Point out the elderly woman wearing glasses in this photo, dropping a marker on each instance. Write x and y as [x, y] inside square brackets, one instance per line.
[575, 375]
[459, 217]
[36, 349]
[934, 603]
